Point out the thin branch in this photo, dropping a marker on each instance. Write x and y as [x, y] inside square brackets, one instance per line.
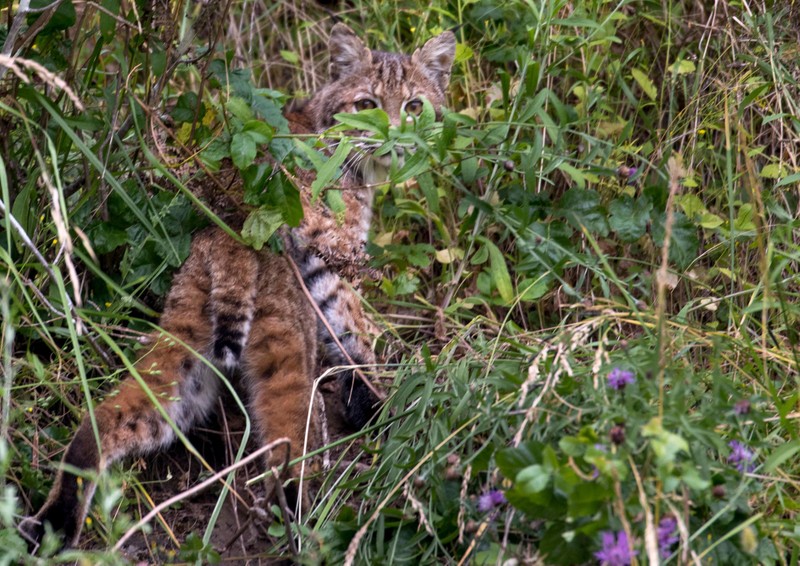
[199, 487]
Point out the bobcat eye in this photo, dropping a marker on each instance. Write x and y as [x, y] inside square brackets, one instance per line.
[414, 107]
[365, 104]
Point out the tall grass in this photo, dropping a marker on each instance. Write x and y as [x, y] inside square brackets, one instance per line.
[614, 196]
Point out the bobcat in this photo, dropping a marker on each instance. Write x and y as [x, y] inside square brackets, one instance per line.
[244, 311]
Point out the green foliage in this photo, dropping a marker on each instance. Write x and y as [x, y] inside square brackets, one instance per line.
[519, 245]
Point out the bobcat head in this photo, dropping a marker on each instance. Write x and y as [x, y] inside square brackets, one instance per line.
[363, 79]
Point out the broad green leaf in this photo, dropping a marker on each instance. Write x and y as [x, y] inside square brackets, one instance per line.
[239, 108]
[63, 18]
[582, 209]
[449, 255]
[773, 171]
[532, 479]
[681, 67]
[243, 150]
[463, 53]
[629, 218]
[691, 205]
[645, 83]
[259, 131]
[290, 56]
[711, 221]
[260, 225]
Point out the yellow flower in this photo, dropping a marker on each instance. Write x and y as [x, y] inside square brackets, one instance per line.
[701, 131]
[108, 305]
[55, 241]
[88, 521]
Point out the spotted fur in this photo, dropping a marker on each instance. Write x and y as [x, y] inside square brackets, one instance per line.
[244, 312]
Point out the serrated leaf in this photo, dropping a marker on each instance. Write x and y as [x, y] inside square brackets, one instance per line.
[773, 171]
[239, 108]
[644, 83]
[463, 53]
[711, 221]
[243, 150]
[260, 225]
[682, 67]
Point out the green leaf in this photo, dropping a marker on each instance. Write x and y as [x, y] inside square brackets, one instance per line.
[336, 204]
[532, 480]
[666, 445]
[106, 238]
[243, 150]
[463, 53]
[575, 174]
[327, 172]
[629, 218]
[375, 120]
[684, 244]
[780, 455]
[238, 107]
[260, 225]
[793, 178]
[108, 24]
[255, 180]
[259, 131]
[645, 83]
[290, 57]
[681, 67]
[773, 171]
[63, 18]
[499, 271]
[582, 209]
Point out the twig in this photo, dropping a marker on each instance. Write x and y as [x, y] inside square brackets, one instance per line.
[326, 324]
[200, 487]
[287, 514]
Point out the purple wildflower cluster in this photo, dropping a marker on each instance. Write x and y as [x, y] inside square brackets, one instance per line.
[490, 500]
[666, 536]
[741, 456]
[619, 378]
[615, 550]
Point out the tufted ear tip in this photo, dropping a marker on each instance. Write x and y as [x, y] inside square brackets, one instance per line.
[435, 58]
[348, 52]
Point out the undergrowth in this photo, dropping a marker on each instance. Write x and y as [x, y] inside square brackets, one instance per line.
[588, 289]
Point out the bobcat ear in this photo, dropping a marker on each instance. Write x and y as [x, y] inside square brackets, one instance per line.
[436, 57]
[348, 52]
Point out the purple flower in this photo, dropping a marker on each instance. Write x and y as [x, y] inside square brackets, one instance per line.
[741, 456]
[619, 378]
[490, 500]
[742, 407]
[666, 536]
[615, 550]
